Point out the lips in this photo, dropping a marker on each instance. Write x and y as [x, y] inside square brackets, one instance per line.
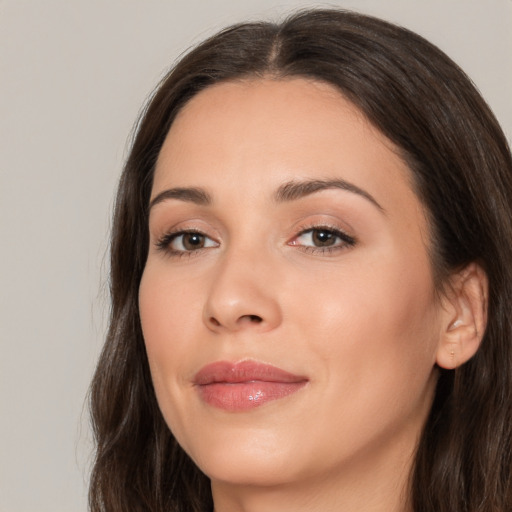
[244, 385]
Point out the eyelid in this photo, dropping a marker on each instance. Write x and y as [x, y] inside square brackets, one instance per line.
[163, 242]
[346, 239]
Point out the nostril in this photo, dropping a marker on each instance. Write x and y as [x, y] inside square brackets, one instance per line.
[244, 319]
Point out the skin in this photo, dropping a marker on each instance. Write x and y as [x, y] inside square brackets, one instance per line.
[361, 321]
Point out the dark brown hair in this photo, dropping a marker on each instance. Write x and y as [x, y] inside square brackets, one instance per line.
[461, 170]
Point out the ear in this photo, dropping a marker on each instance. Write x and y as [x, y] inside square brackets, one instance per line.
[464, 317]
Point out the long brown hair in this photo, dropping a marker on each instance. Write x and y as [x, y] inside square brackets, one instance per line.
[461, 170]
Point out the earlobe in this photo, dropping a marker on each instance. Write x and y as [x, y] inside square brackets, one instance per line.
[465, 317]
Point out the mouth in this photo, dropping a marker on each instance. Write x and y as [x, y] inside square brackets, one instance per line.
[245, 385]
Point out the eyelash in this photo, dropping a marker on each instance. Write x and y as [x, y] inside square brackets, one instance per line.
[347, 241]
[163, 243]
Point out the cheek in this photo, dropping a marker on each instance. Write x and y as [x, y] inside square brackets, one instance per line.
[169, 313]
[375, 329]
[169, 307]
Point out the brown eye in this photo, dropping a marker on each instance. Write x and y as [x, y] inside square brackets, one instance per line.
[185, 241]
[193, 241]
[323, 237]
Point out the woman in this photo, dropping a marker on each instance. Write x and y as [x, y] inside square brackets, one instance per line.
[311, 282]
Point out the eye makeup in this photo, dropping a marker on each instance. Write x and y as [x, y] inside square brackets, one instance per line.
[319, 239]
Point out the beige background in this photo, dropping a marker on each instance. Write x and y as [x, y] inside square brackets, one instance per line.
[73, 75]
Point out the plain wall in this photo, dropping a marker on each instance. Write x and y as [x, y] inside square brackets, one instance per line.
[73, 75]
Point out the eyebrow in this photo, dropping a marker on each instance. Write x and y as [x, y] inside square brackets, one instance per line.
[194, 195]
[294, 190]
[289, 191]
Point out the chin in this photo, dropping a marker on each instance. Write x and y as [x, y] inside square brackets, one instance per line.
[244, 458]
[249, 471]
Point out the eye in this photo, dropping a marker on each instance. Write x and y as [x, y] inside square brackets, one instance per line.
[185, 241]
[323, 239]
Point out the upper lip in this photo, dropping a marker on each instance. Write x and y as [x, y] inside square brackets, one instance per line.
[243, 371]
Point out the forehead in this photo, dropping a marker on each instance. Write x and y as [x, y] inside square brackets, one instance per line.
[295, 120]
[262, 132]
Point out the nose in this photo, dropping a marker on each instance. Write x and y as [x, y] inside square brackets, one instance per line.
[242, 296]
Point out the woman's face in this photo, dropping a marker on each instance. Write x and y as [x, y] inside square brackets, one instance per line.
[287, 302]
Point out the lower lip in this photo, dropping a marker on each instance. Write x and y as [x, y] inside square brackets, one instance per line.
[243, 396]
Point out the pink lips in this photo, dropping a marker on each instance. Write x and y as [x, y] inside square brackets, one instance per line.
[244, 385]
